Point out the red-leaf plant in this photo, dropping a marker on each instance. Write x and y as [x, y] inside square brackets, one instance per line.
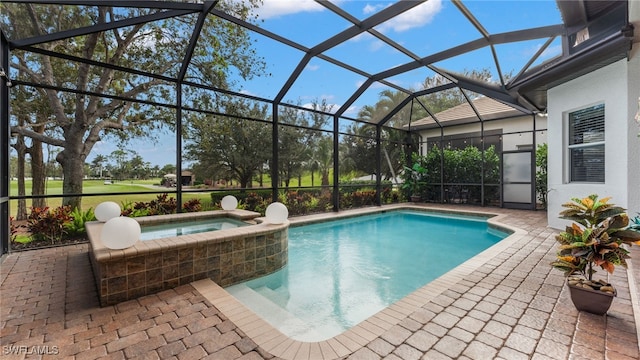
[48, 225]
[598, 237]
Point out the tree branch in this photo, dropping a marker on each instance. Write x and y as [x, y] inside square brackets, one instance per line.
[107, 74]
[37, 136]
[118, 124]
[23, 67]
[113, 105]
[47, 74]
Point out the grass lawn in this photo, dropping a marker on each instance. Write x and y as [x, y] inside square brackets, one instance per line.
[54, 187]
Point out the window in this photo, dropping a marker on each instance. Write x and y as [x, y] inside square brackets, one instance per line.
[586, 144]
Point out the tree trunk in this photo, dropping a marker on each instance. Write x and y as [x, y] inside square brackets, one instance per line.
[245, 180]
[325, 178]
[38, 173]
[72, 162]
[22, 203]
[72, 182]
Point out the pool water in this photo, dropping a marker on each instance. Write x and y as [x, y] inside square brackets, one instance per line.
[152, 232]
[342, 272]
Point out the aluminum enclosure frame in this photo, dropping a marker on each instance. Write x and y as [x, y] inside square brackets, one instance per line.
[526, 91]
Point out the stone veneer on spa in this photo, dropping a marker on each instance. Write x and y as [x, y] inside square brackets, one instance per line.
[224, 256]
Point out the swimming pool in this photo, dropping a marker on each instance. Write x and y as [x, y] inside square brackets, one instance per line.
[341, 272]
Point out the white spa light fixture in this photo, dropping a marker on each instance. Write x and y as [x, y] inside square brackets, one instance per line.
[276, 213]
[107, 210]
[120, 233]
[229, 202]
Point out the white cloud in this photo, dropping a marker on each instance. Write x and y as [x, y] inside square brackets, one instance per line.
[375, 85]
[370, 9]
[330, 107]
[361, 37]
[278, 8]
[352, 111]
[311, 67]
[376, 45]
[378, 85]
[417, 85]
[247, 92]
[414, 18]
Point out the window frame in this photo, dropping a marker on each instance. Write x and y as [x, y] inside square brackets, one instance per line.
[569, 147]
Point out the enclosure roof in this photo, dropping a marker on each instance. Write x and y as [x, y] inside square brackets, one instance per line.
[348, 52]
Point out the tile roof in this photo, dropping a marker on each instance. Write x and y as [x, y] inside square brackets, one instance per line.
[488, 108]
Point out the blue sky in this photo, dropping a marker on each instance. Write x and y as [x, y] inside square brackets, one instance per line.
[434, 26]
[424, 30]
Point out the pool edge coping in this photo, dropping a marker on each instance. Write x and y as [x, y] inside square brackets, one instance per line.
[276, 343]
[101, 253]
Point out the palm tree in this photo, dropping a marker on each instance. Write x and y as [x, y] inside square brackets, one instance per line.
[97, 164]
[324, 158]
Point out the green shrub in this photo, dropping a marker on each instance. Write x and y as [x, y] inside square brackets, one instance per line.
[216, 197]
[312, 200]
[541, 174]
[256, 202]
[75, 227]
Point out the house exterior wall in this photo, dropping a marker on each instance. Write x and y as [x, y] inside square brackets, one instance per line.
[510, 125]
[633, 135]
[616, 86]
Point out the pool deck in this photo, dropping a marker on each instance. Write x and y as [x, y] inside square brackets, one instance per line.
[507, 303]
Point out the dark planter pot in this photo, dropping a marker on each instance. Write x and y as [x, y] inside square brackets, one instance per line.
[416, 198]
[591, 301]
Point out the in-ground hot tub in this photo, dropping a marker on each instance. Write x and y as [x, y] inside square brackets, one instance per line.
[227, 255]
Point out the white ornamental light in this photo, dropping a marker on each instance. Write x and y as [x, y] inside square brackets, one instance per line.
[276, 213]
[229, 202]
[120, 233]
[107, 210]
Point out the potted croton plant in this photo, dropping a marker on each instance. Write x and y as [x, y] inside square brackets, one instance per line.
[598, 237]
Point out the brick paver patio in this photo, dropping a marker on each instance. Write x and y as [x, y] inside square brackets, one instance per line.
[512, 306]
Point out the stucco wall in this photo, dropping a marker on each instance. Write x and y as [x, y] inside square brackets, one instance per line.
[512, 125]
[633, 157]
[614, 86]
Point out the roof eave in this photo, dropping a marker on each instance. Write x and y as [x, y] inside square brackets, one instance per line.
[533, 86]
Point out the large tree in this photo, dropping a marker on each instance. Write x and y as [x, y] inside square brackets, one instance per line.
[445, 99]
[298, 140]
[361, 148]
[82, 119]
[222, 145]
[358, 149]
[31, 112]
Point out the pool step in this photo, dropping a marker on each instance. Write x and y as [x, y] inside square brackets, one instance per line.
[278, 317]
[275, 296]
